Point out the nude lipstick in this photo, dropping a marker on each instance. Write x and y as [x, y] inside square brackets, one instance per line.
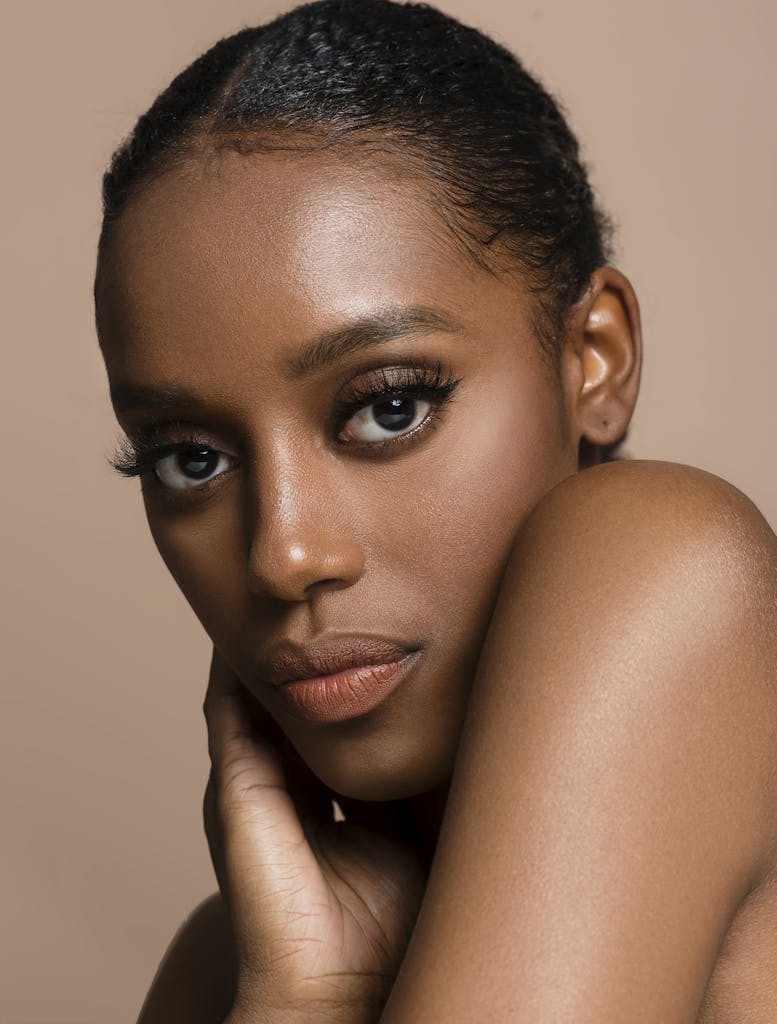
[334, 680]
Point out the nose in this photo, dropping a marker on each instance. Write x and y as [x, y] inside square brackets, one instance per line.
[300, 541]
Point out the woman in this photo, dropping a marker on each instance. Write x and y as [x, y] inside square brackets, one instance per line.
[371, 362]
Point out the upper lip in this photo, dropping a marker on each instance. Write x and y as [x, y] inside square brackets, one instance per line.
[287, 661]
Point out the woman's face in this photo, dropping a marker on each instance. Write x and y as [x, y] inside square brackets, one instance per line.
[254, 312]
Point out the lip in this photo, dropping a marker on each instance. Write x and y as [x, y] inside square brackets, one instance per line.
[335, 679]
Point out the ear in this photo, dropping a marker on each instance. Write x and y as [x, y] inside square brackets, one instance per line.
[601, 360]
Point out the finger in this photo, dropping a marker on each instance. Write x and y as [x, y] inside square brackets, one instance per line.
[234, 753]
[259, 842]
[213, 831]
[237, 723]
[235, 745]
[311, 798]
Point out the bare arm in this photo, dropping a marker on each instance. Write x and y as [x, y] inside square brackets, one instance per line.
[614, 799]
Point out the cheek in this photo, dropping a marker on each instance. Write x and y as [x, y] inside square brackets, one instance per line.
[474, 487]
[204, 553]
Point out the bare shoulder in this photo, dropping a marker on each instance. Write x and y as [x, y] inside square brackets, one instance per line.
[642, 495]
[620, 734]
[650, 589]
[673, 525]
[662, 579]
[195, 982]
[664, 557]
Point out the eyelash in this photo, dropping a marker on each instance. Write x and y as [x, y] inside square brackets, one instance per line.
[138, 454]
[434, 384]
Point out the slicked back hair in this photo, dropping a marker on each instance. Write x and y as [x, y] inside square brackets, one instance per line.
[406, 79]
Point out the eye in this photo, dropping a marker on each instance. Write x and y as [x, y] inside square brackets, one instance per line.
[191, 466]
[391, 416]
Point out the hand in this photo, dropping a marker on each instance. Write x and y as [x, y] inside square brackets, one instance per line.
[321, 910]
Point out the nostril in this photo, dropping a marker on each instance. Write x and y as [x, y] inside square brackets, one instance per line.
[334, 583]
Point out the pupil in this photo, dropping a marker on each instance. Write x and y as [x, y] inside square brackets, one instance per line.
[198, 463]
[394, 413]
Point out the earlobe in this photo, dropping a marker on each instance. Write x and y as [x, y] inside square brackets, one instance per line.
[603, 358]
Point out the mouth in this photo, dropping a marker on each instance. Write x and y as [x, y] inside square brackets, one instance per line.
[336, 679]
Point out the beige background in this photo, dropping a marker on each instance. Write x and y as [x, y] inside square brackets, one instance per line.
[101, 853]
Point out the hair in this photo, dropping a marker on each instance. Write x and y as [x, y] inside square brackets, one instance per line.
[447, 102]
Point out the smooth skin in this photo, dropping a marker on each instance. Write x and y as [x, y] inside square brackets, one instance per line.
[576, 786]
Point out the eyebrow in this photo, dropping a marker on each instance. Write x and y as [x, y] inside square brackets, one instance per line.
[375, 329]
[324, 350]
[133, 396]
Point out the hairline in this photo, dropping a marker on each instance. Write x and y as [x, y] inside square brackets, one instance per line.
[410, 158]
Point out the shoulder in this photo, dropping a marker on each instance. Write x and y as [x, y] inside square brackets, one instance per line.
[620, 737]
[640, 495]
[661, 525]
[194, 983]
[640, 600]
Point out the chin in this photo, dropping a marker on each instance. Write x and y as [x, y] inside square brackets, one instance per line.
[385, 771]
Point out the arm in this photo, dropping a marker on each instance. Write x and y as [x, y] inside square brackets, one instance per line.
[614, 796]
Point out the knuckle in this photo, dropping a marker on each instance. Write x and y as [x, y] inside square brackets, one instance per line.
[236, 778]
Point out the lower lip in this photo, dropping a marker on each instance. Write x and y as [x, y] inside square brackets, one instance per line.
[347, 694]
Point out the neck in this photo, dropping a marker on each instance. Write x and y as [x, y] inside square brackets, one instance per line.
[425, 813]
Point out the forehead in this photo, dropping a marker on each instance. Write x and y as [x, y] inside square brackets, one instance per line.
[277, 247]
